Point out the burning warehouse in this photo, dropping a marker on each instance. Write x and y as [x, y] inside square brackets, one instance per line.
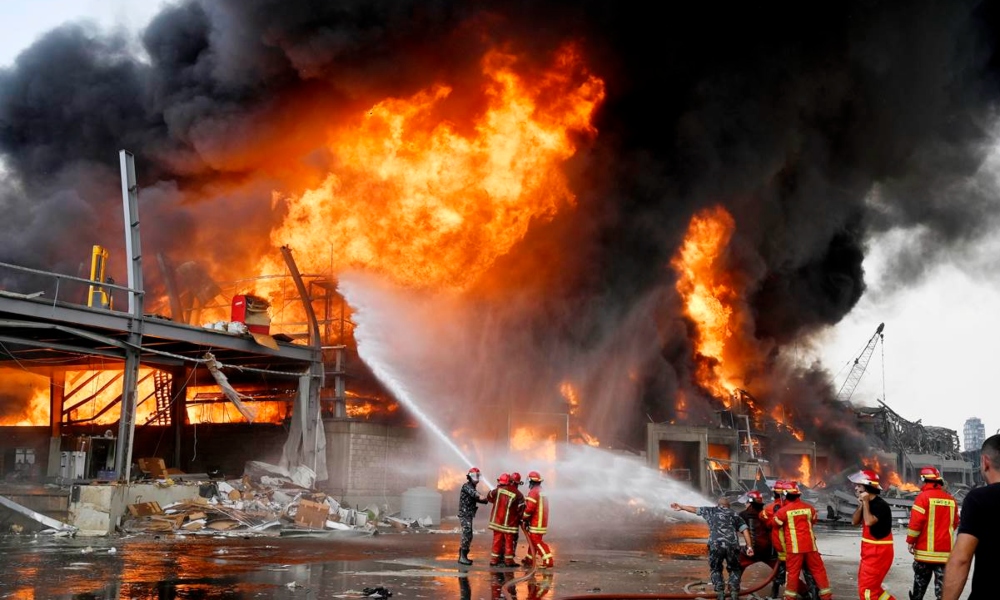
[520, 232]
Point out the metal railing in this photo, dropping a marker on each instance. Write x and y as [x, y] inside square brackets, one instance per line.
[59, 279]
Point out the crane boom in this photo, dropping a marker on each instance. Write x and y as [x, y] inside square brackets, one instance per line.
[860, 364]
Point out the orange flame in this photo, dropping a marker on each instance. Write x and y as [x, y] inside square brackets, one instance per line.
[778, 414]
[430, 202]
[805, 471]
[539, 445]
[667, 460]
[721, 452]
[450, 479]
[888, 475]
[35, 412]
[568, 392]
[710, 298]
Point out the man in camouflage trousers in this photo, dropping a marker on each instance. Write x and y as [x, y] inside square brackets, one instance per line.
[468, 504]
[723, 543]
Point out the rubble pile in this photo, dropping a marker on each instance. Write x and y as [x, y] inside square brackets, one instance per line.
[267, 500]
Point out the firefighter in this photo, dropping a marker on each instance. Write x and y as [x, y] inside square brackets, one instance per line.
[778, 543]
[796, 518]
[777, 534]
[723, 543]
[536, 523]
[760, 532]
[504, 520]
[929, 536]
[468, 504]
[515, 482]
[875, 517]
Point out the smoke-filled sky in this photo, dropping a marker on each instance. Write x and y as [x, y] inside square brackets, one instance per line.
[852, 144]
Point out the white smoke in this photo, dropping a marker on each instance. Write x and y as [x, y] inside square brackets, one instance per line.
[426, 350]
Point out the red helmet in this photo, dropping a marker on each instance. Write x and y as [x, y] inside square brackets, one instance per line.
[779, 486]
[534, 476]
[866, 477]
[930, 473]
[515, 478]
[754, 496]
[504, 479]
[791, 487]
[473, 473]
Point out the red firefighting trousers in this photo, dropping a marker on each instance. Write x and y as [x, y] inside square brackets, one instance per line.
[539, 550]
[876, 559]
[813, 561]
[503, 547]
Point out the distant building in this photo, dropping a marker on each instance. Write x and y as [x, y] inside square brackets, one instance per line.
[974, 434]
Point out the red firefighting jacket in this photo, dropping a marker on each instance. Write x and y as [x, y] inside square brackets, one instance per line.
[933, 521]
[797, 518]
[508, 504]
[536, 510]
[777, 531]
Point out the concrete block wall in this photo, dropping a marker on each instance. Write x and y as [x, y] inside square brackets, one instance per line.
[372, 463]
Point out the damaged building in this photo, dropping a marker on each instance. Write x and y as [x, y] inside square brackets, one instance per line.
[523, 252]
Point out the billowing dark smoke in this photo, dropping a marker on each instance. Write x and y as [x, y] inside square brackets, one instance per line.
[815, 125]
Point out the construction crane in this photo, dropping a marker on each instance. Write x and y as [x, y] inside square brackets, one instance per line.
[860, 364]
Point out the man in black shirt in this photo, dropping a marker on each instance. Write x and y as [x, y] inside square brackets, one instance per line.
[978, 533]
[875, 516]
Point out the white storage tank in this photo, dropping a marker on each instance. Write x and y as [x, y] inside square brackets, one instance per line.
[421, 502]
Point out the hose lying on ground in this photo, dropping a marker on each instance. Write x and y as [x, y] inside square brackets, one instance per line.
[674, 596]
[508, 587]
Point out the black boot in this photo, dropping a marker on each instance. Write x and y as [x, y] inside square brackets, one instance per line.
[463, 557]
[774, 589]
[722, 595]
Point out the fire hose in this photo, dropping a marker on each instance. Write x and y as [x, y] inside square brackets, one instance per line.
[508, 587]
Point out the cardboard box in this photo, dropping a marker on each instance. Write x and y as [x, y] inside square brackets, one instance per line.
[144, 509]
[155, 467]
[312, 514]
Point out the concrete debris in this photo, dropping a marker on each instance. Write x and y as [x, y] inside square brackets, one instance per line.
[267, 500]
[52, 524]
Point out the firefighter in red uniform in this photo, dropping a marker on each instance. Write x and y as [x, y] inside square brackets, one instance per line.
[778, 543]
[760, 531]
[933, 522]
[777, 534]
[536, 523]
[515, 482]
[506, 501]
[796, 517]
[875, 516]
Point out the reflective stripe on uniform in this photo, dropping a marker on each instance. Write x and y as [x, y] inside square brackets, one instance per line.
[868, 541]
[498, 521]
[798, 512]
[936, 503]
[931, 557]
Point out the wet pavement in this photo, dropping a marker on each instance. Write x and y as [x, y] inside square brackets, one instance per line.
[632, 558]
